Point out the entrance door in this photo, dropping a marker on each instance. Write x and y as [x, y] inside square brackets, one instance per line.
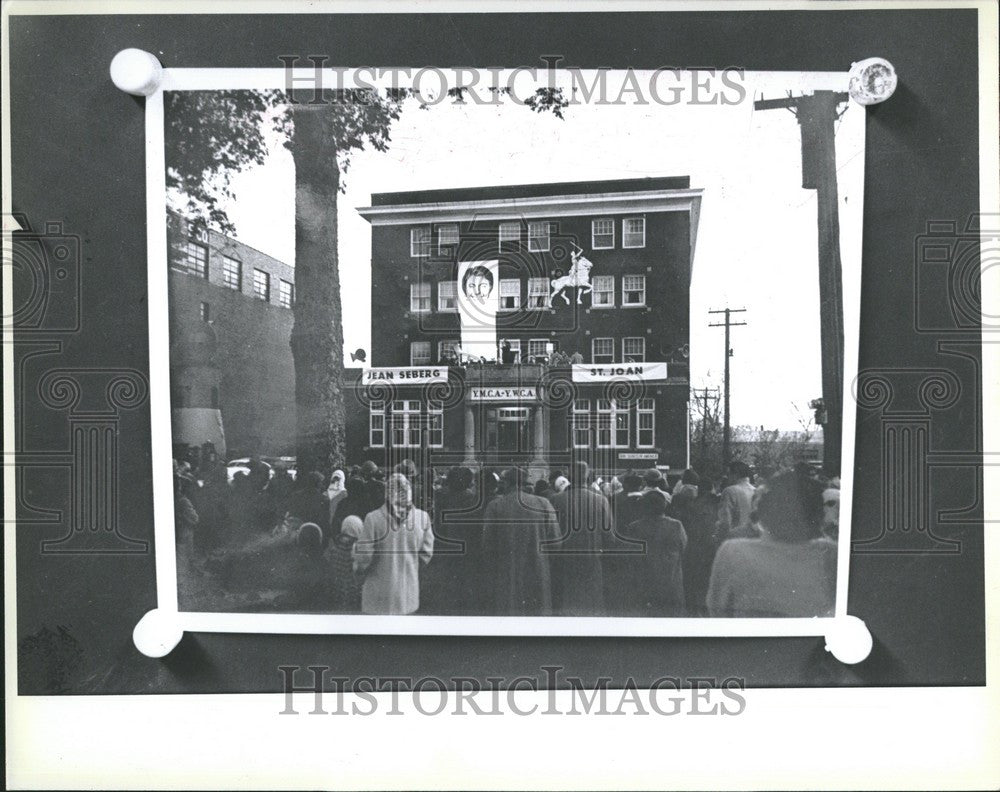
[507, 435]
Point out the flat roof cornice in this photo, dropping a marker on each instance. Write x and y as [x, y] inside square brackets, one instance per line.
[605, 203]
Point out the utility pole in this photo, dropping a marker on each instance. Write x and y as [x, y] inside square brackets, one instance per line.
[817, 114]
[729, 353]
[704, 394]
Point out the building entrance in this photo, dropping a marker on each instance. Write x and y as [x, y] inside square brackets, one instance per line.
[507, 434]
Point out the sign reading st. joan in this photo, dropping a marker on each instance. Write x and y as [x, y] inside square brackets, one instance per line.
[644, 372]
[411, 375]
[503, 394]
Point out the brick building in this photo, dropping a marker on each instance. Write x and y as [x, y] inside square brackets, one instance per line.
[230, 327]
[597, 370]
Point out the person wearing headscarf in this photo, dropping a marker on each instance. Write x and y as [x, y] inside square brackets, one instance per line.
[656, 582]
[336, 491]
[395, 540]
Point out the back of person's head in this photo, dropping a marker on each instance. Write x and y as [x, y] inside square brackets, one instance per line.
[310, 538]
[555, 474]
[790, 507]
[653, 503]
[653, 478]
[542, 487]
[315, 480]
[691, 477]
[580, 473]
[632, 482]
[513, 479]
[407, 468]
[739, 470]
[369, 469]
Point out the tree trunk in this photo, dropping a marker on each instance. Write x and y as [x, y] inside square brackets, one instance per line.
[317, 333]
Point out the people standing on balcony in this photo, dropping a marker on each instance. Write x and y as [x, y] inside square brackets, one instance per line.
[584, 523]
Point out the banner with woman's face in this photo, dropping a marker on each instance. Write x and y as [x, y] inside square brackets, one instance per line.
[478, 303]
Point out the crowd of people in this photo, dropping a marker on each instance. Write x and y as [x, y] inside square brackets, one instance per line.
[494, 542]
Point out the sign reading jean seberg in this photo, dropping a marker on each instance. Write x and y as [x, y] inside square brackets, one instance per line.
[548, 421]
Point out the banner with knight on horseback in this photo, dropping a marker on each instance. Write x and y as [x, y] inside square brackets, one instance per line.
[578, 277]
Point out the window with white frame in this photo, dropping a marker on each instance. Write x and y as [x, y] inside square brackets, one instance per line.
[602, 350]
[286, 293]
[603, 295]
[195, 258]
[447, 238]
[510, 233]
[261, 285]
[376, 424]
[645, 423]
[580, 417]
[612, 424]
[602, 233]
[538, 293]
[447, 349]
[447, 296]
[634, 232]
[510, 294]
[537, 347]
[420, 353]
[634, 349]
[420, 297]
[515, 347]
[406, 423]
[232, 273]
[633, 289]
[539, 236]
[435, 424]
[420, 241]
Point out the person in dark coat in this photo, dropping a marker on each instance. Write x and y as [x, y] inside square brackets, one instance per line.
[621, 549]
[697, 512]
[517, 526]
[584, 525]
[656, 583]
[339, 542]
[308, 504]
[452, 577]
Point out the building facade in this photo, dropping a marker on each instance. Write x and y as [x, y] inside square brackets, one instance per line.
[581, 292]
[230, 330]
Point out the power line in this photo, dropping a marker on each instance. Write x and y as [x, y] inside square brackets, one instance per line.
[728, 323]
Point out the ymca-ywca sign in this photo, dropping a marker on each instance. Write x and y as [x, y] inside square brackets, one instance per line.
[412, 375]
[503, 394]
[642, 372]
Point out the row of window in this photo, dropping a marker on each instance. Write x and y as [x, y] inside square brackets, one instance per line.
[540, 233]
[602, 350]
[195, 262]
[633, 294]
[608, 425]
[402, 425]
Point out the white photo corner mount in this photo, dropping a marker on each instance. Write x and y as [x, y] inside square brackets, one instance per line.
[140, 73]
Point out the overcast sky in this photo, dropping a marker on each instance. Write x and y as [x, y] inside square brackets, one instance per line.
[757, 241]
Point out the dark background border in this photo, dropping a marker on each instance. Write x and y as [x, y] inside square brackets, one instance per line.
[78, 158]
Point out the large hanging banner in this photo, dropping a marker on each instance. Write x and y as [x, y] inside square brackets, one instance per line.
[642, 372]
[478, 303]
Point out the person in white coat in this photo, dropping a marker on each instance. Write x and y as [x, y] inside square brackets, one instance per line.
[395, 539]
